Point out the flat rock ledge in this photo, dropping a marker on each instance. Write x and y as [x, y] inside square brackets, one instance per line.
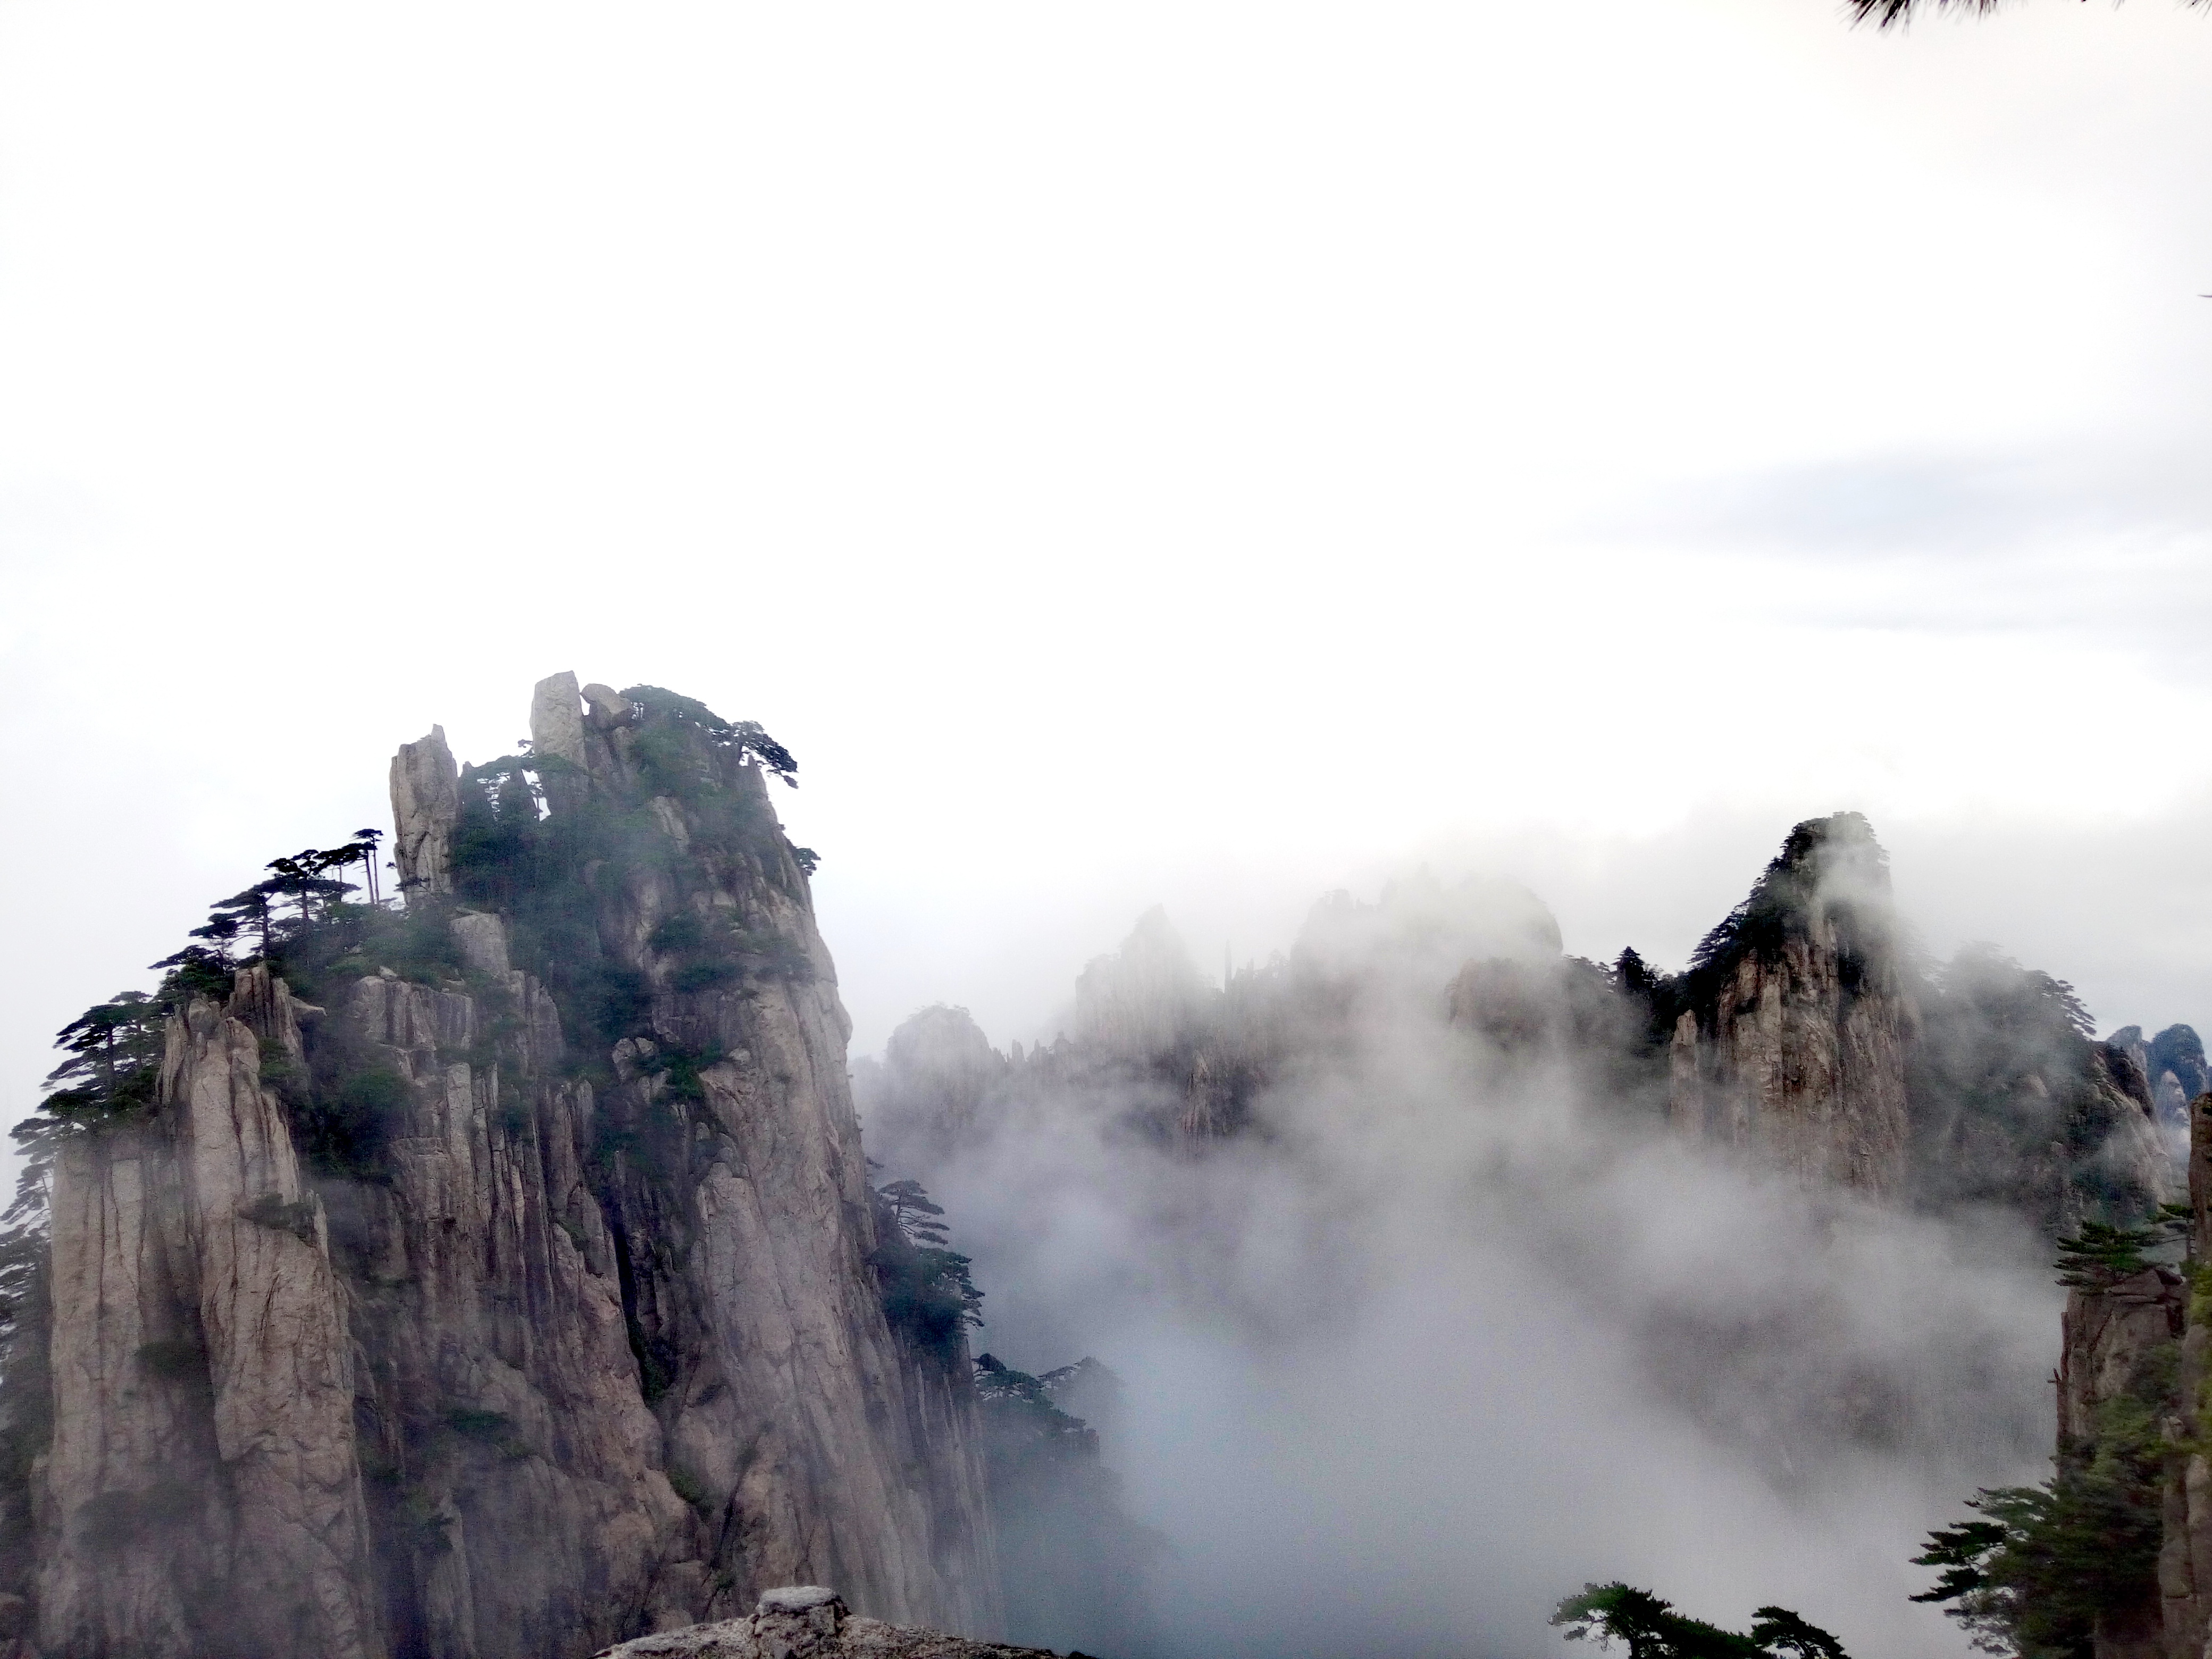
[810, 1621]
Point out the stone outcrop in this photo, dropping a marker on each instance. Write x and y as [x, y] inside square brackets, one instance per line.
[1146, 997]
[522, 1296]
[426, 801]
[811, 1621]
[557, 719]
[1793, 1047]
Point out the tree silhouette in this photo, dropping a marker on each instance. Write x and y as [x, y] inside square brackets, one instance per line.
[1778, 1631]
[2100, 1256]
[114, 1051]
[303, 879]
[1649, 1628]
[1887, 12]
[746, 737]
[911, 1209]
[928, 1295]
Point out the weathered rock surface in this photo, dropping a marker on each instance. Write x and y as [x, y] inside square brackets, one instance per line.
[810, 1621]
[518, 1304]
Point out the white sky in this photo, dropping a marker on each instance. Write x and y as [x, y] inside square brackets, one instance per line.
[1205, 453]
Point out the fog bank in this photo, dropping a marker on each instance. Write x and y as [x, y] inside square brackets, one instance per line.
[1442, 1335]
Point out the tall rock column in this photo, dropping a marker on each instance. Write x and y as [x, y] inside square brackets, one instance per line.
[280, 1355]
[202, 1469]
[557, 737]
[426, 801]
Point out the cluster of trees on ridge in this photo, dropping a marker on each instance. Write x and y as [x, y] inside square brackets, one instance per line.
[1649, 1628]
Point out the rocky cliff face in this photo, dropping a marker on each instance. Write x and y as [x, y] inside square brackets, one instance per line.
[2120, 1554]
[1793, 1042]
[2118, 1350]
[520, 1296]
[1798, 1036]
[203, 1489]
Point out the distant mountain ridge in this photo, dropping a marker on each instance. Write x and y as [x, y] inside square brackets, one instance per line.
[1801, 1036]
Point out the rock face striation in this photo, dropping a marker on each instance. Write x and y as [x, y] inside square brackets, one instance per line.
[504, 1285]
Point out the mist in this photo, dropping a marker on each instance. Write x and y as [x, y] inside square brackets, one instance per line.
[1443, 1332]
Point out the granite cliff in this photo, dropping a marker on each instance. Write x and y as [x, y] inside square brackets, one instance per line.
[1791, 1043]
[500, 1276]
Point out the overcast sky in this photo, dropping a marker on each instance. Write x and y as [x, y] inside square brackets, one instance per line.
[1204, 454]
